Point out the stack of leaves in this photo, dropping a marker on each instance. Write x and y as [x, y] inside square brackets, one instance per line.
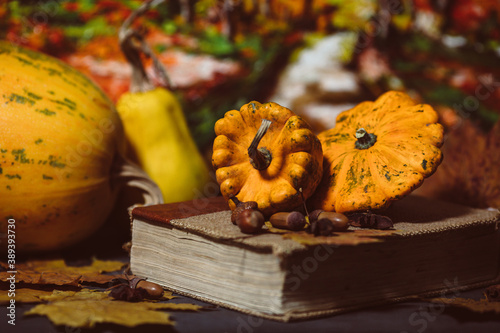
[489, 305]
[74, 295]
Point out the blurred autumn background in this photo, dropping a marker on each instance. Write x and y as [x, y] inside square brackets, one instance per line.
[317, 57]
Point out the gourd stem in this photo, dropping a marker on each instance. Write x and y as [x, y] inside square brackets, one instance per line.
[132, 43]
[260, 158]
[364, 139]
[235, 200]
[139, 81]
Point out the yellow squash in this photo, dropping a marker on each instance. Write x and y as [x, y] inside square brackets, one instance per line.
[159, 137]
[155, 127]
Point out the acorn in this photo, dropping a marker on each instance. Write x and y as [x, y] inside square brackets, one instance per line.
[288, 220]
[154, 290]
[135, 290]
[370, 220]
[240, 206]
[249, 220]
[340, 222]
[321, 227]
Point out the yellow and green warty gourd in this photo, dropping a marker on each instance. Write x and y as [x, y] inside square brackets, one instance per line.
[282, 172]
[378, 152]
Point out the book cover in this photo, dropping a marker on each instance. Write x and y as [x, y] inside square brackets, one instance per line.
[435, 247]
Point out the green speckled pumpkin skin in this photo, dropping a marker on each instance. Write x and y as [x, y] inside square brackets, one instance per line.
[59, 136]
[406, 150]
[297, 158]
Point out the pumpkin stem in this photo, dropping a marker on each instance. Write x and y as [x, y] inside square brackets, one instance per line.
[260, 158]
[364, 139]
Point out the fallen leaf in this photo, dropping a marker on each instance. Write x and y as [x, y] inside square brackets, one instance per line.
[98, 278]
[479, 306]
[24, 295]
[87, 314]
[370, 220]
[274, 230]
[350, 237]
[89, 294]
[40, 278]
[56, 272]
[84, 294]
[87, 308]
[492, 293]
[97, 266]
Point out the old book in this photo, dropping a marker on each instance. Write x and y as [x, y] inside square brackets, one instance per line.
[192, 248]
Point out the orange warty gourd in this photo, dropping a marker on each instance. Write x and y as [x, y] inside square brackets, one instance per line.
[271, 167]
[378, 152]
[60, 148]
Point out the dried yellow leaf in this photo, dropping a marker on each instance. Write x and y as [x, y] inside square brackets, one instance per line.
[84, 294]
[86, 308]
[89, 294]
[24, 295]
[480, 306]
[352, 237]
[88, 313]
[97, 266]
[274, 230]
[54, 278]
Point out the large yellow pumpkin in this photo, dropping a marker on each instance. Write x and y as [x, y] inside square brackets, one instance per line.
[59, 138]
[378, 152]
